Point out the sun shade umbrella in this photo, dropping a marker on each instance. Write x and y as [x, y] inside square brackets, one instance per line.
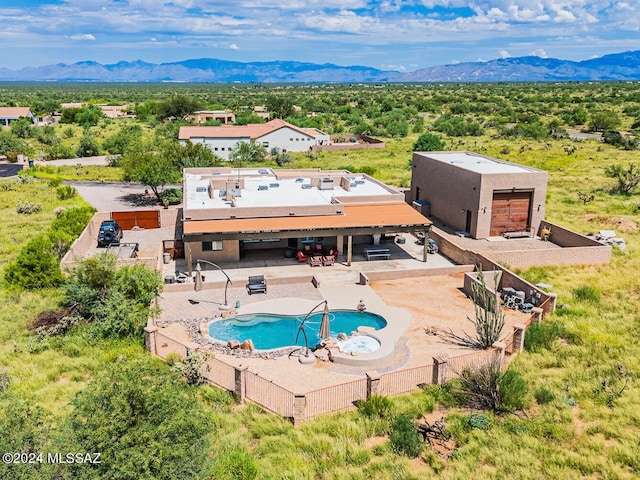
[324, 325]
[198, 279]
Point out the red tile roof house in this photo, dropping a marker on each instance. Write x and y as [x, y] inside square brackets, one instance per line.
[276, 133]
[8, 114]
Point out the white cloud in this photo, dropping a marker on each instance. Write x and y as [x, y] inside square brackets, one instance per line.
[504, 54]
[539, 52]
[233, 46]
[86, 36]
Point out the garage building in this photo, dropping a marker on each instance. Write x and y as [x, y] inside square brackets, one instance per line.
[479, 195]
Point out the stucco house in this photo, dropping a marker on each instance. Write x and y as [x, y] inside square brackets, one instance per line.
[203, 116]
[228, 213]
[9, 114]
[478, 195]
[276, 133]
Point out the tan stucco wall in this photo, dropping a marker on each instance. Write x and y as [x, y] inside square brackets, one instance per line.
[452, 191]
[230, 252]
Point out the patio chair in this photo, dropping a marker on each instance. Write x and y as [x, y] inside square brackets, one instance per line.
[257, 284]
[301, 256]
[315, 261]
[328, 260]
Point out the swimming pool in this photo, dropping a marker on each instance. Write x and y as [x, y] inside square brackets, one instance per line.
[268, 331]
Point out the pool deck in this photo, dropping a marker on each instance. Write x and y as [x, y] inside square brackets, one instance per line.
[428, 303]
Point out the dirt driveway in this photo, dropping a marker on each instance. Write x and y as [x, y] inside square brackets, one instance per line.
[115, 196]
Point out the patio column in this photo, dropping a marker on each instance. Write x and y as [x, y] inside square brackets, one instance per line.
[425, 246]
[188, 258]
[349, 249]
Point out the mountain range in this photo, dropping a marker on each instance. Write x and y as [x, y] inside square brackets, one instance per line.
[618, 66]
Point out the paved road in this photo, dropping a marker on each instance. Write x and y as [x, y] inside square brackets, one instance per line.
[10, 169]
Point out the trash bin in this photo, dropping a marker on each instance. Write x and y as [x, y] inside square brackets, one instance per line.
[31, 163]
[166, 257]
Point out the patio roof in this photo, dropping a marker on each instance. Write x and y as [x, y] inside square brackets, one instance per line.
[357, 218]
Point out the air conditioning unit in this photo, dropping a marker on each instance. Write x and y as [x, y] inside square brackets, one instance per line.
[325, 183]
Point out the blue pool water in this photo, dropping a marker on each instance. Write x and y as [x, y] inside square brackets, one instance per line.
[268, 331]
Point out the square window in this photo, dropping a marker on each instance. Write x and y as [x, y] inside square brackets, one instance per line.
[211, 246]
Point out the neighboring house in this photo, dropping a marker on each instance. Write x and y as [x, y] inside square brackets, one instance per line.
[261, 111]
[9, 114]
[229, 212]
[276, 133]
[203, 116]
[115, 111]
[478, 195]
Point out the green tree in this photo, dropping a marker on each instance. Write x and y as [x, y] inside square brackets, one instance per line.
[119, 142]
[10, 143]
[248, 152]
[146, 423]
[279, 106]
[37, 265]
[140, 164]
[178, 106]
[21, 127]
[88, 146]
[88, 117]
[604, 120]
[626, 179]
[429, 142]
[191, 155]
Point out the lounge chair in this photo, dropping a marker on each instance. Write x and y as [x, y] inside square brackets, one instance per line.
[328, 260]
[301, 256]
[315, 261]
[257, 284]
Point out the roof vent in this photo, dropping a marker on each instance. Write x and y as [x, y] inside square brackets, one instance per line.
[263, 187]
[263, 171]
[274, 185]
[325, 183]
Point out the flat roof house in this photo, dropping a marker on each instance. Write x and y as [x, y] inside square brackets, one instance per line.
[479, 195]
[203, 116]
[9, 114]
[276, 133]
[229, 212]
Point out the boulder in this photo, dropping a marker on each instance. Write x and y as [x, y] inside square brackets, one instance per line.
[247, 345]
[233, 344]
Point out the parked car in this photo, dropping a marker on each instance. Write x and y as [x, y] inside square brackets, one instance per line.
[432, 246]
[110, 233]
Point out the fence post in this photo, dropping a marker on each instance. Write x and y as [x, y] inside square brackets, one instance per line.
[537, 313]
[439, 370]
[150, 338]
[299, 408]
[240, 383]
[373, 383]
[518, 337]
[553, 298]
[500, 347]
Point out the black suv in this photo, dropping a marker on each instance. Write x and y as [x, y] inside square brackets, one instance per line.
[110, 233]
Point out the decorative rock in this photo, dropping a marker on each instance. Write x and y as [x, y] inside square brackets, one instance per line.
[342, 336]
[233, 344]
[247, 345]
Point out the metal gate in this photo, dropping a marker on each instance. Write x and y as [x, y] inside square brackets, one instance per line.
[137, 218]
[510, 212]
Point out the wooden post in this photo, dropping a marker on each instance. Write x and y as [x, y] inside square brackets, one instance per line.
[373, 383]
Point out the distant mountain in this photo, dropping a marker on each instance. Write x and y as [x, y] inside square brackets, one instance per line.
[200, 70]
[619, 66]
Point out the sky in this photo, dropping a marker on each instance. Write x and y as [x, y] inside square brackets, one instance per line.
[402, 35]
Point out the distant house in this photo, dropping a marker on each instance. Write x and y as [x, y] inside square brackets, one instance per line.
[276, 133]
[115, 111]
[9, 114]
[225, 117]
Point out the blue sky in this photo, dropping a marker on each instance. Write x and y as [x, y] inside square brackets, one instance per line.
[403, 35]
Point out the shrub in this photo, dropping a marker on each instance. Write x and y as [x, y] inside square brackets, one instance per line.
[587, 293]
[543, 396]
[28, 208]
[488, 388]
[55, 182]
[65, 192]
[73, 220]
[171, 195]
[404, 437]
[541, 335]
[37, 265]
[376, 406]
[136, 407]
[191, 368]
[478, 421]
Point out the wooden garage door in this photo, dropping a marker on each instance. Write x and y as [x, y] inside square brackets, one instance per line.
[510, 212]
[138, 218]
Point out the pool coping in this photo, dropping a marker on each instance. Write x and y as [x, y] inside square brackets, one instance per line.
[397, 319]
